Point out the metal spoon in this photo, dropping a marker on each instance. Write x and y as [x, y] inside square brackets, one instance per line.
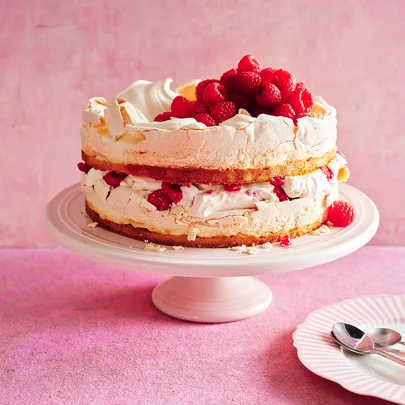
[385, 336]
[348, 337]
[358, 334]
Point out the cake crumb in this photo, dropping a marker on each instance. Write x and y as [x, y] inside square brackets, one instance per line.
[192, 234]
[322, 230]
[266, 245]
[92, 225]
[154, 248]
[251, 250]
[243, 249]
[178, 247]
[240, 249]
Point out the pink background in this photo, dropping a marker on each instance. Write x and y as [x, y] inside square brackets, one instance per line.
[55, 55]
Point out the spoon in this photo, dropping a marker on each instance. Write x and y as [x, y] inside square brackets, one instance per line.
[385, 336]
[356, 341]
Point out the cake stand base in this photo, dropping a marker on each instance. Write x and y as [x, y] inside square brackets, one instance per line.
[212, 300]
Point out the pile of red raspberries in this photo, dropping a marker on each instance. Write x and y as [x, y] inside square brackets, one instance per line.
[259, 91]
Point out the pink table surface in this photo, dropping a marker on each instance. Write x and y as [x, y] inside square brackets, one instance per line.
[77, 332]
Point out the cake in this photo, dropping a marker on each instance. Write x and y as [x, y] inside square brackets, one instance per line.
[245, 159]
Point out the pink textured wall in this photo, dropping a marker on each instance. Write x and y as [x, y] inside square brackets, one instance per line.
[54, 55]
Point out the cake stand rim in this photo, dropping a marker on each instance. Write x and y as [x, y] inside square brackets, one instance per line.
[234, 265]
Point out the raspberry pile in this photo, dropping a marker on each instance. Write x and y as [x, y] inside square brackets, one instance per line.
[259, 91]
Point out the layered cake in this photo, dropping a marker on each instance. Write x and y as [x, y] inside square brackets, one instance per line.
[245, 159]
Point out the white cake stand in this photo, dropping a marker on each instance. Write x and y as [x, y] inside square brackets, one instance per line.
[210, 285]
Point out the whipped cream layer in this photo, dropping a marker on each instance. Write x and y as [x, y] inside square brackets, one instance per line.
[209, 211]
[122, 132]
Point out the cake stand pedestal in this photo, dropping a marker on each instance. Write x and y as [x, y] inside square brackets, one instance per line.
[209, 285]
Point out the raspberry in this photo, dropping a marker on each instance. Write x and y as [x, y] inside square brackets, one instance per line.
[209, 192]
[173, 192]
[222, 111]
[84, 167]
[285, 81]
[277, 181]
[285, 241]
[255, 110]
[298, 116]
[232, 187]
[328, 172]
[249, 64]
[341, 213]
[160, 200]
[199, 90]
[239, 100]
[202, 109]
[270, 96]
[214, 93]
[206, 119]
[183, 108]
[301, 99]
[267, 75]
[225, 77]
[248, 83]
[280, 193]
[284, 110]
[114, 179]
[163, 117]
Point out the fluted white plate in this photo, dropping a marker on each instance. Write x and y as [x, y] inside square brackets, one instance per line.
[362, 374]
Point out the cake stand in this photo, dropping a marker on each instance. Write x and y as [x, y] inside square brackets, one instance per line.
[209, 285]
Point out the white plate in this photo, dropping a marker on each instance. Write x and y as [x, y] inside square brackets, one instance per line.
[366, 375]
[67, 220]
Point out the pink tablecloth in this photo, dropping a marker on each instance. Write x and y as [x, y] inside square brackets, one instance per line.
[77, 332]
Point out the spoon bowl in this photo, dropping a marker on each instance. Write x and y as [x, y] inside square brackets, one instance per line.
[385, 336]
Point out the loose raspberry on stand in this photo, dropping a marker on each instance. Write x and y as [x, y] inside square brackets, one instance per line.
[285, 241]
[267, 75]
[277, 181]
[222, 111]
[199, 91]
[163, 117]
[280, 193]
[340, 213]
[84, 167]
[285, 81]
[284, 110]
[202, 109]
[269, 96]
[205, 119]
[225, 77]
[214, 93]
[249, 64]
[232, 187]
[328, 172]
[183, 108]
[114, 179]
[301, 99]
[160, 200]
[240, 100]
[247, 83]
[173, 191]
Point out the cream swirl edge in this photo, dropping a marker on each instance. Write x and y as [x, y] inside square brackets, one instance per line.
[241, 142]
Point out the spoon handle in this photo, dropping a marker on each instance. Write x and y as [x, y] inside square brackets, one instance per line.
[394, 351]
[390, 356]
[402, 343]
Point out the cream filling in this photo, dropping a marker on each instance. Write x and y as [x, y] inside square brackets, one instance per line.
[266, 217]
[203, 201]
